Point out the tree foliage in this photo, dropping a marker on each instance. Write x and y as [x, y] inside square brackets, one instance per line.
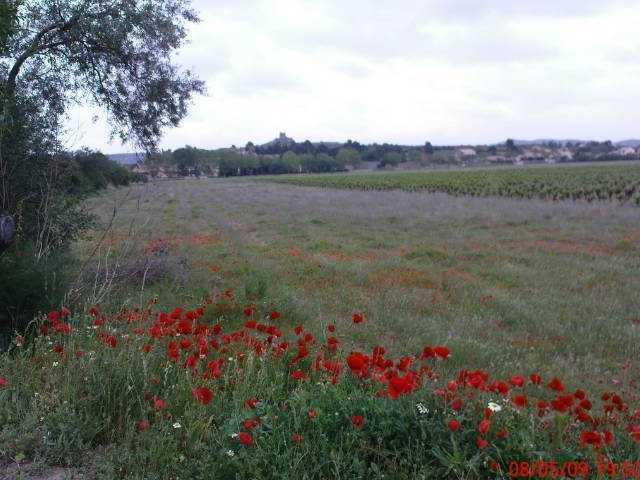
[116, 54]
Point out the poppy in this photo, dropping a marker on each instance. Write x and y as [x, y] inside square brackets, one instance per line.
[520, 400]
[297, 438]
[203, 395]
[483, 426]
[535, 378]
[399, 385]
[357, 421]
[299, 375]
[481, 442]
[441, 351]
[556, 384]
[245, 438]
[453, 425]
[357, 318]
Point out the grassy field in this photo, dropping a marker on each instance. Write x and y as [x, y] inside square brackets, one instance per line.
[510, 286]
[503, 282]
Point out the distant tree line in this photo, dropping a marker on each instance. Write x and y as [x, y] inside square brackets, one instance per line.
[276, 158]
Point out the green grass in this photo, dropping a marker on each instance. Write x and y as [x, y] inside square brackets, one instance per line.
[510, 286]
[617, 181]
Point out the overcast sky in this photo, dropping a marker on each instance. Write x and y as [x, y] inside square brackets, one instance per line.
[407, 72]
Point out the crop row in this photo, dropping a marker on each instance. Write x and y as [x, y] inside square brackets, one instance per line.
[610, 182]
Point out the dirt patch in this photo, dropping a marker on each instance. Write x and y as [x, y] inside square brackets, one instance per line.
[35, 471]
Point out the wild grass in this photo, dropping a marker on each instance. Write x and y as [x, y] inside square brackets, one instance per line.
[510, 286]
[506, 282]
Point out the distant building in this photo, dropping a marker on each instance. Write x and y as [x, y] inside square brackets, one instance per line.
[282, 140]
[625, 151]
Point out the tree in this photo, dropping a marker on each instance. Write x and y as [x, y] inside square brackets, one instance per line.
[115, 54]
[348, 156]
[428, 148]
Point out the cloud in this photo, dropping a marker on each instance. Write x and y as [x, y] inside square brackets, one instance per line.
[447, 71]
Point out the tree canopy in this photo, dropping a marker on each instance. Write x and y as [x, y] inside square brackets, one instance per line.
[116, 54]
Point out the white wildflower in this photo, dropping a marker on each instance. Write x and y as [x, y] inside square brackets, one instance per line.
[422, 409]
[494, 407]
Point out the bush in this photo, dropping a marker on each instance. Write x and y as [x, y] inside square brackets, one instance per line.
[29, 286]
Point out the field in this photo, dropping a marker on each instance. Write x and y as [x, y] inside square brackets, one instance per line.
[591, 182]
[355, 332]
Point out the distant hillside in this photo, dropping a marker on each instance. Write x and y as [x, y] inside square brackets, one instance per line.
[545, 141]
[628, 143]
[126, 158]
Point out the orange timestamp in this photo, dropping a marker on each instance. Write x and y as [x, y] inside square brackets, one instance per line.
[543, 469]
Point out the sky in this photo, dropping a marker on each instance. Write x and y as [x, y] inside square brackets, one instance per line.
[451, 72]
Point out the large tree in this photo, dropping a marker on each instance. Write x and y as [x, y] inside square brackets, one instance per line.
[116, 54]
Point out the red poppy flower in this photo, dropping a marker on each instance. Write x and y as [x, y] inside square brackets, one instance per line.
[634, 432]
[535, 378]
[502, 433]
[158, 403]
[357, 318]
[274, 315]
[251, 402]
[590, 438]
[245, 438]
[252, 422]
[203, 395]
[331, 328]
[441, 351]
[53, 317]
[357, 363]
[516, 380]
[297, 438]
[483, 426]
[481, 442]
[299, 375]
[399, 385]
[2, 382]
[556, 384]
[312, 414]
[65, 311]
[586, 404]
[453, 425]
[143, 426]
[357, 421]
[58, 349]
[456, 405]
[520, 400]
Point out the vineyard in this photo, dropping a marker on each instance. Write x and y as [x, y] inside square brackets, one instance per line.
[610, 182]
